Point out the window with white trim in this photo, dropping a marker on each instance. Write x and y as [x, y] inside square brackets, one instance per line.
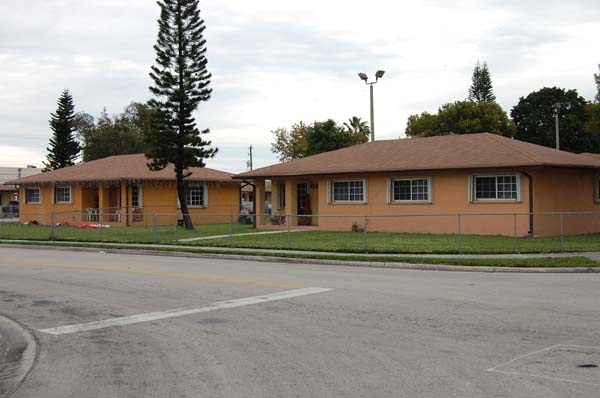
[196, 194]
[33, 195]
[497, 187]
[62, 194]
[348, 191]
[414, 189]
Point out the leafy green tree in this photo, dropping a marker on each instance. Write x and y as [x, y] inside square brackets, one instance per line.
[290, 144]
[534, 117]
[592, 126]
[181, 83]
[326, 136]
[64, 148]
[466, 117]
[84, 126]
[305, 140]
[121, 135]
[462, 117]
[423, 125]
[481, 89]
[358, 128]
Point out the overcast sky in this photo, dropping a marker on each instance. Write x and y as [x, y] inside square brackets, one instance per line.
[275, 62]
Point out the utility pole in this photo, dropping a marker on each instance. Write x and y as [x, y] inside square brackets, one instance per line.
[556, 109]
[249, 162]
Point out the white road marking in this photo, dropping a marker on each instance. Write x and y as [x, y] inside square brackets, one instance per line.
[153, 316]
[541, 376]
[495, 368]
[545, 377]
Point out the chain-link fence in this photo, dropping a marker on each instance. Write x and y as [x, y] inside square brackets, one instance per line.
[414, 233]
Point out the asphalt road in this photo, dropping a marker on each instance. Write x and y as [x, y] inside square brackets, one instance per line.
[120, 325]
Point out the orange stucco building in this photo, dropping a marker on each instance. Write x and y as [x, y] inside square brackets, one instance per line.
[122, 191]
[472, 184]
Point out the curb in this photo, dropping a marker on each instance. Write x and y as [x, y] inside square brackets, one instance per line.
[19, 350]
[274, 258]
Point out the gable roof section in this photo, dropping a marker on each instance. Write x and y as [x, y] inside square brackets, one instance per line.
[118, 168]
[468, 151]
[591, 155]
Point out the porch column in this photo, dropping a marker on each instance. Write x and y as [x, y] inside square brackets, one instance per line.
[124, 204]
[259, 201]
[102, 199]
[291, 208]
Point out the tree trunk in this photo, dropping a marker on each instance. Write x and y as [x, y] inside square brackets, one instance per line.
[187, 220]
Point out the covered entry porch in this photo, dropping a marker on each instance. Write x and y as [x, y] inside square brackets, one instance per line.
[114, 203]
[294, 202]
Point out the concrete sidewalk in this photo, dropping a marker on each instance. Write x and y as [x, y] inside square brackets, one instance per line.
[593, 255]
[276, 255]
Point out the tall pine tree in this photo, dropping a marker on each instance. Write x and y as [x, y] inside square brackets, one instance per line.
[180, 85]
[481, 85]
[64, 148]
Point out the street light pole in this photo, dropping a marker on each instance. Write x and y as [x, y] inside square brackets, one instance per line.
[372, 114]
[365, 78]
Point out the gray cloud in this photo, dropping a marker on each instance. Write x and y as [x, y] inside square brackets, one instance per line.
[102, 52]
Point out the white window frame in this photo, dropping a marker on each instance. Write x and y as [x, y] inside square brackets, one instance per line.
[39, 194]
[55, 191]
[473, 186]
[331, 191]
[197, 184]
[390, 190]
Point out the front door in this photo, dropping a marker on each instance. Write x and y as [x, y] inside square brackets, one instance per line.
[303, 203]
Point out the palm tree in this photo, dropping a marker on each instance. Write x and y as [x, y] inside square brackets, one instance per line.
[358, 128]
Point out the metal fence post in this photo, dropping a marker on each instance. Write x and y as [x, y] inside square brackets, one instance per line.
[230, 228]
[154, 228]
[515, 228]
[176, 229]
[459, 236]
[365, 235]
[52, 225]
[289, 223]
[562, 232]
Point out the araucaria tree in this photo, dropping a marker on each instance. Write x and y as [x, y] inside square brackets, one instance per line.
[180, 85]
[481, 85]
[64, 148]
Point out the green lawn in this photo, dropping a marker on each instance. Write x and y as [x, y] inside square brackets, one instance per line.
[163, 234]
[391, 243]
[340, 242]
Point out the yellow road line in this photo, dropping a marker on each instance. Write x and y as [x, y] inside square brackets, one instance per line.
[168, 274]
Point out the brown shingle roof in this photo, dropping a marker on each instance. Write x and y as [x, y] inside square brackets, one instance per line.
[469, 151]
[118, 168]
[7, 188]
[592, 155]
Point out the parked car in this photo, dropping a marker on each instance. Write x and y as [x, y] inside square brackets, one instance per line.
[12, 210]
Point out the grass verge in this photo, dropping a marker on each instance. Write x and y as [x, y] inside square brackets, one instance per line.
[538, 262]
